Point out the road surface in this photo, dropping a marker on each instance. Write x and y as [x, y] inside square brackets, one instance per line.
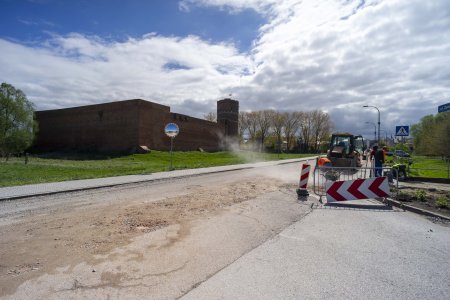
[342, 254]
[240, 234]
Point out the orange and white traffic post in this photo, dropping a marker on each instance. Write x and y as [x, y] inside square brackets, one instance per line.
[302, 192]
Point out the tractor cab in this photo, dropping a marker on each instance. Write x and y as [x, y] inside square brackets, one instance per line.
[345, 150]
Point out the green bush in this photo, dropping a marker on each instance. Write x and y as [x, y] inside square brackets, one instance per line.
[442, 202]
[421, 195]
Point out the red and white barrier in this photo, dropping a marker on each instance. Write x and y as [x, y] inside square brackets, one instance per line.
[304, 176]
[357, 189]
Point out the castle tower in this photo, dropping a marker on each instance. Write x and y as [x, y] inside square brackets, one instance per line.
[228, 115]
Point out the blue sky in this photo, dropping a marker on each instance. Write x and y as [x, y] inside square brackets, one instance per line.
[331, 55]
[118, 20]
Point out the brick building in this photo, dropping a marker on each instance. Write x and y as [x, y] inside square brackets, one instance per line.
[130, 126]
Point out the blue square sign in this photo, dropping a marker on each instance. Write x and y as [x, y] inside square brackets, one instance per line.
[401, 130]
[444, 107]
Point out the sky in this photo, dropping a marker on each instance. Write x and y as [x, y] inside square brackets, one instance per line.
[302, 55]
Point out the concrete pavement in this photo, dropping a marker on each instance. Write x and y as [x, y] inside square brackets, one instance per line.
[342, 254]
[14, 192]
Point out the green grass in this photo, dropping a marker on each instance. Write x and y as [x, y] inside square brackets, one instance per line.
[423, 166]
[42, 169]
[437, 168]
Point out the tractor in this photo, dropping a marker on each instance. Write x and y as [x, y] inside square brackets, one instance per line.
[346, 150]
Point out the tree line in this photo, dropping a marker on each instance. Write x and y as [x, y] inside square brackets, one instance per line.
[300, 131]
[432, 135]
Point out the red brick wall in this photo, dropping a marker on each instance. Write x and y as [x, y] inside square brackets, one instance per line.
[152, 119]
[194, 133]
[228, 115]
[122, 126]
[102, 127]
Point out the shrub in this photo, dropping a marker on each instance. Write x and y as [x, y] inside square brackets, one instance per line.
[442, 202]
[17, 126]
[421, 195]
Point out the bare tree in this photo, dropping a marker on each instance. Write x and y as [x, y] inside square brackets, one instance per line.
[327, 128]
[321, 128]
[243, 123]
[291, 126]
[264, 118]
[253, 125]
[306, 128]
[278, 122]
[313, 127]
[211, 116]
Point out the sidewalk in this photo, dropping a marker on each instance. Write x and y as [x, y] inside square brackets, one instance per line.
[23, 191]
[425, 185]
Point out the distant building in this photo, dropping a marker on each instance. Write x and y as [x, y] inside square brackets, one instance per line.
[132, 126]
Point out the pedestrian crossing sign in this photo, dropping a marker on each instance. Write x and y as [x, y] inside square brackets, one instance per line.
[401, 130]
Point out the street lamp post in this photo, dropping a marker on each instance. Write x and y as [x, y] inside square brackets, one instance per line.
[374, 129]
[378, 120]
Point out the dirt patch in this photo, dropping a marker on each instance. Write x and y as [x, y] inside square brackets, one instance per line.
[42, 243]
[430, 199]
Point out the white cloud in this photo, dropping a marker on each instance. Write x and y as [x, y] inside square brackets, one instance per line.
[234, 6]
[32, 22]
[333, 55]
[76, 69]
[338, 56]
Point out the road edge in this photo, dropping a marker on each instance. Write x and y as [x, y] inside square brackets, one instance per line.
[416, 210]
[78, 189]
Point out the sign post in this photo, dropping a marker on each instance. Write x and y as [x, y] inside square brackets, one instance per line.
[402, 131]
[171, 130]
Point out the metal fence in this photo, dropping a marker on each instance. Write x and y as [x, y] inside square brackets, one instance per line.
[326, 174]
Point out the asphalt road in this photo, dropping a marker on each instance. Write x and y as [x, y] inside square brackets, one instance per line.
[342, 254]
[268, 247]
[50, 246]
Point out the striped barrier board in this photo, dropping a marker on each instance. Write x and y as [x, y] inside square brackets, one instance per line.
[304, 176]
[357, 189]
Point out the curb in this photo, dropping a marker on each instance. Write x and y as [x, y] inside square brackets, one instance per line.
[427, 179]
[71, 190]
[358, 206]
[115, 184]
[416, 210]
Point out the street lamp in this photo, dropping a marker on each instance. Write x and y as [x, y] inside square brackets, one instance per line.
[378, 120]
[374, 129]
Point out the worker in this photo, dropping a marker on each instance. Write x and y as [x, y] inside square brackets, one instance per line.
[324, 162]
[385, 151]
[373, 152]
[399, 171]
[379, 161]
